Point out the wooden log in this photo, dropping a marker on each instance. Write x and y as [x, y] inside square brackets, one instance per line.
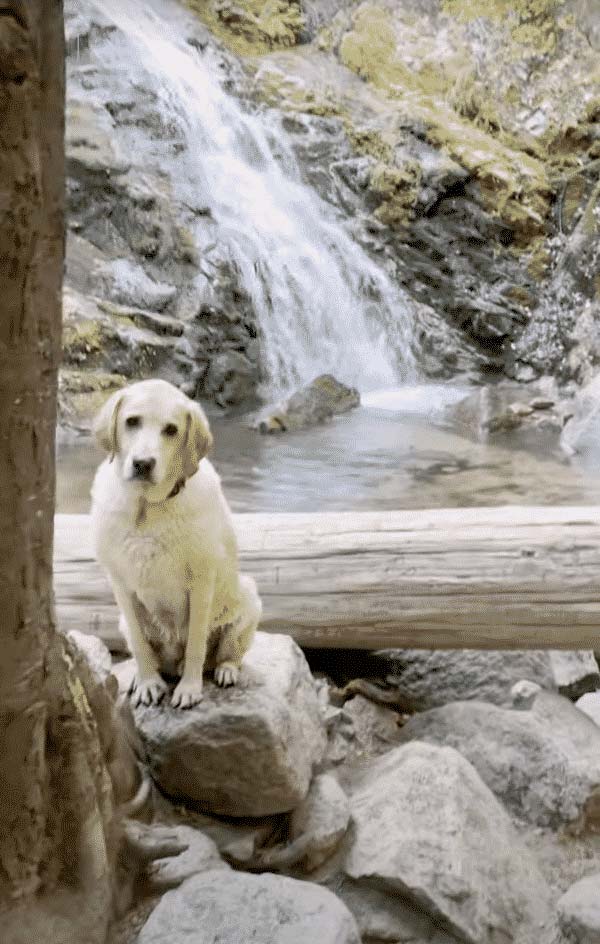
[487, 578]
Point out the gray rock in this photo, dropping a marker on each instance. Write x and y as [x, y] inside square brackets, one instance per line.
[236, 908]
[383, 916]
[590, 705]
[91, 146]
[320, 822]
[243, 751]
[231, 378]
[315, 831]
[200, 855]
[582, 432]
[432, 678]
[524, 693]
[98, 657]
[312, 404]
[126, 283]
[543, 763]
[579, 911]
[574, 672]
[374, 728]
[427, 828]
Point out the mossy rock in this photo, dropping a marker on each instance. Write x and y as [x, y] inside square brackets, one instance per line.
[252, 27]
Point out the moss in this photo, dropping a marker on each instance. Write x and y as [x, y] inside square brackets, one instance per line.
[82, 338]
[291, 93]
[539, 260]
[252, 27]
[533, 24]
[89, 381]
[398, 188]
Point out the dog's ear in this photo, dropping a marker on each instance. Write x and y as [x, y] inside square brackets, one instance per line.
[105, 424]
[198, 439]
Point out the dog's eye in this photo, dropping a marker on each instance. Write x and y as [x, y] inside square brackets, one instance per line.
[170, 429]
[133, 421]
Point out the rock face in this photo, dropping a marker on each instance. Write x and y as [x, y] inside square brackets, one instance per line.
[315, 403]
[427, 828]
[244, 751]
[149, 289]
[579, 911]
[235, 908]
[544, 763]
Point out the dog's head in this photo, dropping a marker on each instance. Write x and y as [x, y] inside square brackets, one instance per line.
[155, 434]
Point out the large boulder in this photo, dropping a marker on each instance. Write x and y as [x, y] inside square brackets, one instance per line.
[544, 763]
[243, 751]
[579, 911]
[316, 402]
[427, 679]
[428, 829]
[234, 908]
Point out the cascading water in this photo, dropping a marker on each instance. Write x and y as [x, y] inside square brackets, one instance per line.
[322, 304]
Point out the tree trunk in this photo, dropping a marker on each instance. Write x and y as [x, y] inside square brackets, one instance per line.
[56, 806]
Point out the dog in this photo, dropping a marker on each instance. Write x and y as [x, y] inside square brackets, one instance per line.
[164, 534]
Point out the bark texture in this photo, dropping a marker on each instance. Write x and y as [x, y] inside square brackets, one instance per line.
[57, 821]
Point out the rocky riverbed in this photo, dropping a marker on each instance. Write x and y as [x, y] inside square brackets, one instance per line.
[306, 810]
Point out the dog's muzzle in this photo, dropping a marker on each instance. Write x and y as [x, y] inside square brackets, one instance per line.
[141, 469]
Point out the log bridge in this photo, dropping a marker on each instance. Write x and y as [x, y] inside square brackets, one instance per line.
[485, 578]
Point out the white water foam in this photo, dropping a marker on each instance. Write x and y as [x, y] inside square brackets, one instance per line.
[323, 304]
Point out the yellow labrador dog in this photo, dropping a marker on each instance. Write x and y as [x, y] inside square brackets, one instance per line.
[163, 532]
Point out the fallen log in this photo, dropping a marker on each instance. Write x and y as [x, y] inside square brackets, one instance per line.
[486, 578]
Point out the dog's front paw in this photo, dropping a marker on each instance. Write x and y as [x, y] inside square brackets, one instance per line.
[187, 694]
[226, 674]
[149, 690]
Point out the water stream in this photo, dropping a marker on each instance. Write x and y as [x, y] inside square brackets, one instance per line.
[322, 303]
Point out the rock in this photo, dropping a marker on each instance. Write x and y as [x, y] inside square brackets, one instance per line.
[503, 408]
[315, 403]
[374, 727]
[126, 283]
[98, 657]
[590, 705]
[200, 855]
[270, 909]
[315, 830]
[320, 822]
[91, 145]
[428, 829]
[524, 693]
[582, 432]
[231, 378]
[574, 672]
[432, 678]
[543, 763]
[382, 916]
[243, 751]
[579, 911]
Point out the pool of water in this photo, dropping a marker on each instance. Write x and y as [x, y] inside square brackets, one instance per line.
[392, 452]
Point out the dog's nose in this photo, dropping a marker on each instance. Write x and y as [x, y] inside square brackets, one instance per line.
[143, 467]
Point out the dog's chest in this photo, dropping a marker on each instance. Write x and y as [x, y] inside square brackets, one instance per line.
[154, 567]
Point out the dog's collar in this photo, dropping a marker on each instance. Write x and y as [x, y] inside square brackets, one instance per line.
[179, 484]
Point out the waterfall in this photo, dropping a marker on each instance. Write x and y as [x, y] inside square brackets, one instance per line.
[323, 305]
